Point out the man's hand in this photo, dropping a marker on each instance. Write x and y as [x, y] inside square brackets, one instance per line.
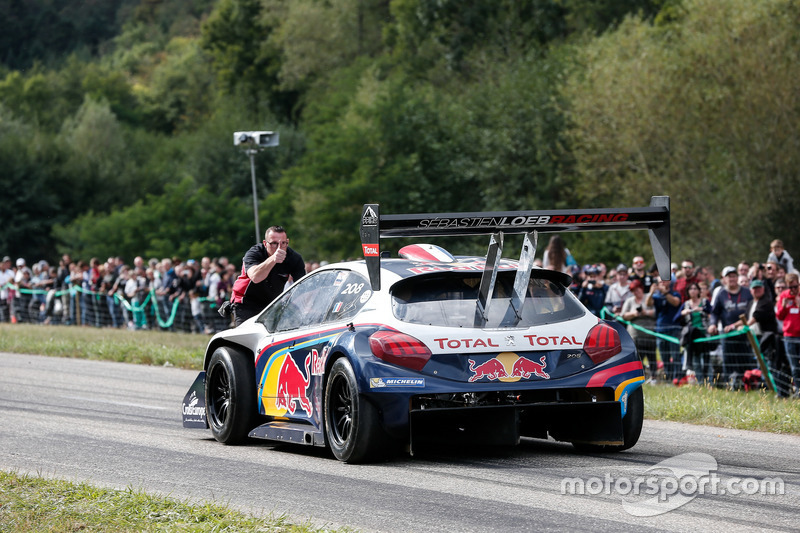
[279, 255]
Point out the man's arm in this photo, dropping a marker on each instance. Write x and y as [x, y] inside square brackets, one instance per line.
[259, 272]
[673, 299]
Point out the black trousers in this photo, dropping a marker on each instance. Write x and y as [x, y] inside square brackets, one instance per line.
[242, 312]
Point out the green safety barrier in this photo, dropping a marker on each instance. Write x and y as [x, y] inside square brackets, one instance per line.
[745, 330]
[138, 310]
[604, 313]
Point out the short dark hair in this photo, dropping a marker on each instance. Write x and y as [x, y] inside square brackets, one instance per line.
[275, 229]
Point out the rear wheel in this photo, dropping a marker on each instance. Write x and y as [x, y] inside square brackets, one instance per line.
[230, 396]
[631, 427]
[352, 426]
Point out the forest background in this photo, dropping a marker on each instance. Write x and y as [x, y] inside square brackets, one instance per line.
[117, 120]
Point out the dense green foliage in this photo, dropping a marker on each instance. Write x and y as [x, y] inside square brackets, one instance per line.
[116, 120]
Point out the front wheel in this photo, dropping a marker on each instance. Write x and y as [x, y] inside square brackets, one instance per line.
[230, 396]
[352, 427]
[631, 427]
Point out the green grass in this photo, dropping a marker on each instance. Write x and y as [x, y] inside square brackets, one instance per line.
[755, 410]
[34, 504]
[141, 347]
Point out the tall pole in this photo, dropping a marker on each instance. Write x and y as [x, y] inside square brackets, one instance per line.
[252, 154]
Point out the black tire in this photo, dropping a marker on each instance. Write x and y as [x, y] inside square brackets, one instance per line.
[230, 396]
[352, 427]
[631, 427]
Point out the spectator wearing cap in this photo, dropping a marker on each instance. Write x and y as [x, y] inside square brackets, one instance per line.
[763, 323]
[619, 290]
[760, 312]
[640, 273]
[22, 279]
[667, 302]
[592, 293]
[731, 302]
[640, 315]
[789, 312]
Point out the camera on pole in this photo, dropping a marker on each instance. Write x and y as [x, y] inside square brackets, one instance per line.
[256, 139]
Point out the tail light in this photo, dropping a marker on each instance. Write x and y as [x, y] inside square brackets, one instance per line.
[400, 349]
[602, 343]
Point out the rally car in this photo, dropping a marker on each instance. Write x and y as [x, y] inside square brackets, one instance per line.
[386, 353]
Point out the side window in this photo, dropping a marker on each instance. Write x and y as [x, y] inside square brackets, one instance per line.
[352, 292]
[305, 304]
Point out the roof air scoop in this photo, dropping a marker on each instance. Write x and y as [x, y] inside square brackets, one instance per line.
[426, 252]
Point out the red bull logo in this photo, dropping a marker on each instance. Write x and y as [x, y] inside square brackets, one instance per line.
[526, 368]
[508, 367]
[292, 385]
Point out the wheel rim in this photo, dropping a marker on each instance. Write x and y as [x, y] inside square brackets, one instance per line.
[340, 408]
[220, 391]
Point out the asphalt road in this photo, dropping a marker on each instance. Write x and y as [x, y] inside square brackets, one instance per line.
[119, 425]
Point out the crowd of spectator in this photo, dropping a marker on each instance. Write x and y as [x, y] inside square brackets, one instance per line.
[169, 293]
[699, 320]
[683, 311]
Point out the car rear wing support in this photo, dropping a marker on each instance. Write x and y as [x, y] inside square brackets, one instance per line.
[524, 268]
[654, 218]
[488, 278]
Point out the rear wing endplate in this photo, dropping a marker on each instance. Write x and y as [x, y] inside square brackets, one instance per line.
[654, 218]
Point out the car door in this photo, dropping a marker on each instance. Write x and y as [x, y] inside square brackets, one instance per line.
[290, 366]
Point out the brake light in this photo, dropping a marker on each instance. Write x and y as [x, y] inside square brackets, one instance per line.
[602, 343]
[399, 349]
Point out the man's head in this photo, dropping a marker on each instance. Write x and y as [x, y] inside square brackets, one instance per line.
[757, 288]
[622, 273]
[771, 269]
[730, 278]
[638, 264]
[275, 238]
[687, 267]
[793, 284]
[780, 286]
[743, 268]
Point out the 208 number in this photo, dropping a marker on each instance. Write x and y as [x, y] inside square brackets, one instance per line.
[353, 288]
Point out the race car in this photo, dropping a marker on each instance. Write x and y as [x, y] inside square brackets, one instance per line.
[389, 353]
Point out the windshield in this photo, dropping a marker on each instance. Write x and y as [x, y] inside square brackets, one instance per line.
[451, 300]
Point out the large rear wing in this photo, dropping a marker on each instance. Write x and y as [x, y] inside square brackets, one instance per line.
[375, 226]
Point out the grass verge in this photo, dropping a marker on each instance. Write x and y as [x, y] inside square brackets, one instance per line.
[31, 503]
[755, 410]
[158, 348]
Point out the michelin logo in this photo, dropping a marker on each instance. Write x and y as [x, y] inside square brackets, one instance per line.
[377, 383]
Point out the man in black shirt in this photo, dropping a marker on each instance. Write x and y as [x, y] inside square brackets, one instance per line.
[266, 267]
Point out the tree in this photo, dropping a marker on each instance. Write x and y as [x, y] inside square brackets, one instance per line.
[692, 109]
[184, 221]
